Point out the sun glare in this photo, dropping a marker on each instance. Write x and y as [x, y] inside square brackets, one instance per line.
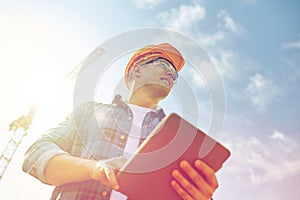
[39, 88]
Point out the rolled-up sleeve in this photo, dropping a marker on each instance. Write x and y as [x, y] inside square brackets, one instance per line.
[56, 141]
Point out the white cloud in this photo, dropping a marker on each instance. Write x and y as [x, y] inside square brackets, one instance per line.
[284, 142]
[147, 4]
[228, 22]
[196, 78]
[212, 39]
[276, 135]
[291, 45]
[261, 91]
[182, 18]
[226, 26]
[261, 160]
[224, 58]
[225, 61]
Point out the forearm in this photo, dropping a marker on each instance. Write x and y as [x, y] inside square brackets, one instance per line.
[63, 169]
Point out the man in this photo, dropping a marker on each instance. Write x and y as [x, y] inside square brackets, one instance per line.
[72, 156]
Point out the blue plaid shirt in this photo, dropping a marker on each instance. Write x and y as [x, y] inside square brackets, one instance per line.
[93, 131]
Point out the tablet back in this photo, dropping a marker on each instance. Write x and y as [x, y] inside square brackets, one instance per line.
[147, 174]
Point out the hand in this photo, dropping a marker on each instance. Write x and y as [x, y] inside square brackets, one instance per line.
[105, 171]
[200, 184]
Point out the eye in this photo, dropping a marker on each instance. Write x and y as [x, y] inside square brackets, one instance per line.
[169, 73]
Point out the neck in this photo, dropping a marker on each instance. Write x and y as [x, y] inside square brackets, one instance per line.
[147, 95]
[143, 100]
[144, 97]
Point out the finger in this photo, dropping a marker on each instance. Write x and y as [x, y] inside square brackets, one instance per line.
[197, 179]
[98, 172]
[111, 177]
[187, 185]
[208, 173]
[181, 192]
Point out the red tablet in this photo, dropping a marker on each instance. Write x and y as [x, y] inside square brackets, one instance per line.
[147, 174]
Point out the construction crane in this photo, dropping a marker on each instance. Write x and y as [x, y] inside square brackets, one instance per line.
[19, 127]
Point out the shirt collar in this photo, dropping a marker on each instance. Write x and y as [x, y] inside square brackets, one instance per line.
[117, 101]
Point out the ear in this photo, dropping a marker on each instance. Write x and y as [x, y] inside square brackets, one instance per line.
[136, 70]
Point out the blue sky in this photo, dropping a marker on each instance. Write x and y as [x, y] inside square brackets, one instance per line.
[255, 45]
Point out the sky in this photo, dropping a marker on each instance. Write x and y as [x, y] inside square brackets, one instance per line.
[254, 44]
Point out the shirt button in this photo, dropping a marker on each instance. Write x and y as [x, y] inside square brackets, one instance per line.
[122, 137]
[104, 193]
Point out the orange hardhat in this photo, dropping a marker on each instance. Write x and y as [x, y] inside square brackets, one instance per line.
[164, 50]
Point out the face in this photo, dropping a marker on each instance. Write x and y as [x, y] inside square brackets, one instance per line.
[156, 74]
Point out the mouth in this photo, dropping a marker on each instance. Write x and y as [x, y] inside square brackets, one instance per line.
[166, 81]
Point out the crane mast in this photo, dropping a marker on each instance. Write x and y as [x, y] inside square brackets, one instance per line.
[19, 127]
